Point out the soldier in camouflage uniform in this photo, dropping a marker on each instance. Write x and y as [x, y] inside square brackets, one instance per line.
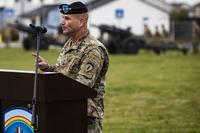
[195, 36]
[82, 58]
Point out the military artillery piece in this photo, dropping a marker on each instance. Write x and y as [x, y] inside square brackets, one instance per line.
[123, 41]
[29, 42]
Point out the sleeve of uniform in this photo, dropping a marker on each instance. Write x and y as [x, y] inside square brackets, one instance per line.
[50, 68]
[90, 67]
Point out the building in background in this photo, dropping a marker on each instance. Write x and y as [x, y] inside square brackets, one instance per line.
[178, 7]
[1, 17]
[125, 14]
[121, 13]
[196, 10]
[19, 7]
[46, 14]
[130, 13]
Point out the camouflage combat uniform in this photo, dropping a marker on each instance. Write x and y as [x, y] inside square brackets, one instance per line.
[87, 62]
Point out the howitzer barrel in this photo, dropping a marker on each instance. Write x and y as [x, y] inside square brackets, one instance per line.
[112, 30]
[23, 28]
[29, 41]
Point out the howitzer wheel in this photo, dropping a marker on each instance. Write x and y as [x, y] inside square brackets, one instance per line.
[29, 43]
[112, 47]
[157, 51]
[130, 46]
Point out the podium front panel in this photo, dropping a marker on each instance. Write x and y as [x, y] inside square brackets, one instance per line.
[61, 101]
[66, 116]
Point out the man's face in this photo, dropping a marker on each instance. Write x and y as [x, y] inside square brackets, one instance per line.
[70, 24]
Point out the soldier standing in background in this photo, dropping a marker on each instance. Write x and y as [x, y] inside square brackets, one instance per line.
[6, 32]
[165, 34]
[83, 58]
[147, 32]
[195, 36]
[157, 34]
[157, 40]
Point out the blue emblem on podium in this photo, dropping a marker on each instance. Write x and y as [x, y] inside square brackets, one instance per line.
[17, 120]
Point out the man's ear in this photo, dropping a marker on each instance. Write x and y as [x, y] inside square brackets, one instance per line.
[82, 21]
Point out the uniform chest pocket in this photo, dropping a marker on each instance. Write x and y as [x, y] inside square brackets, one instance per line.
[68, 57]
[73, 64]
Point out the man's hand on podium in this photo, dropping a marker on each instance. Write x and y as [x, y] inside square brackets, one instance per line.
[42, 64]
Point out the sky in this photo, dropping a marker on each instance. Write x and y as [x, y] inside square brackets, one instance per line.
[190, 2]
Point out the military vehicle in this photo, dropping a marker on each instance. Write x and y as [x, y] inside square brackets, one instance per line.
[29, 41]
[117, 41]
[123, 41]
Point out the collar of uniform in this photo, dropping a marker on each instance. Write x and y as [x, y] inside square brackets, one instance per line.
[75, 45]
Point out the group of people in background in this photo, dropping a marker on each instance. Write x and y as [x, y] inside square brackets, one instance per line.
[148, 34]
[162, 36]
[159, 36]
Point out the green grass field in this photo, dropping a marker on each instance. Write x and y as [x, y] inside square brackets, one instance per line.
[145, 93]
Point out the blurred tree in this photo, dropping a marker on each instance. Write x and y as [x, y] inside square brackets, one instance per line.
[179, 15]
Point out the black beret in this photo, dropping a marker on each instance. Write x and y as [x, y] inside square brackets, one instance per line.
[74, 8]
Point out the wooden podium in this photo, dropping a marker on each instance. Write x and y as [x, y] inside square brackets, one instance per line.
[61, 101]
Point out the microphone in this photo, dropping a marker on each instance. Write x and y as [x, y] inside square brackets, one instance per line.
[40, 29]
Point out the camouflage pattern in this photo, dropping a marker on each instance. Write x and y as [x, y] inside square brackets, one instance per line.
[94, 125]
[87, 62]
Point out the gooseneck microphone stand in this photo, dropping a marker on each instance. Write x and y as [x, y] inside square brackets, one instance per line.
[39, 30]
